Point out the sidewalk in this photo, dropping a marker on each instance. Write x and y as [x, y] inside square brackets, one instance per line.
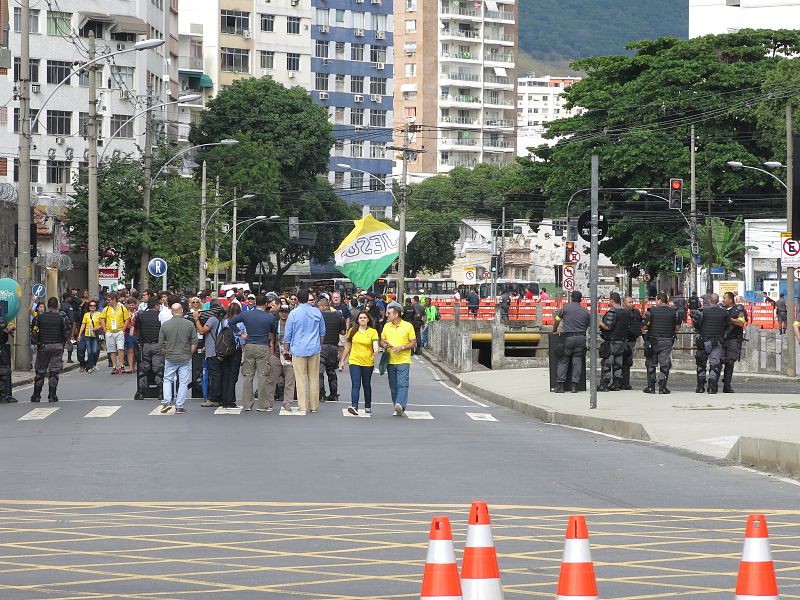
[751, 429]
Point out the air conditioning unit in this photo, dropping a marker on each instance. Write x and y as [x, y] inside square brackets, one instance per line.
[409, 53]
[359, 1]
[376, 1]
[380, 35]
[60, 141]
[376, 98]
[379, 66]
[121, 47]
[37, 189]
[36, 88]
[359, 33]
[295, 2]
[323, 95]
[124, 95]
[327, 61]
[265, 71]
[100, 141]
[59, 189]
[324, 29]
[358, 98]
[292, 74]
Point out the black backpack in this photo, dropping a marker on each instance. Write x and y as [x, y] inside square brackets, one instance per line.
[225, 343]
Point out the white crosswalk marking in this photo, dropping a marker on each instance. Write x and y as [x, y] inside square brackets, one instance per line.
[419, 414]
[38, 413]
[157, 412]
[481, 417]
[221, 410]
[100, 412]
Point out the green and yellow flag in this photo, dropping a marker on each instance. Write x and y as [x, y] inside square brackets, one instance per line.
[368, 251]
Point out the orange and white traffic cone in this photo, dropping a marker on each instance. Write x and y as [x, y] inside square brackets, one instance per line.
[756, 579]
[440, 580]
[576, 580]
[480, 573]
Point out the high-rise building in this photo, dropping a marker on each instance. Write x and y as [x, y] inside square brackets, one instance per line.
[729, 16]
[353, 66]
[457, 82]
[539, 101]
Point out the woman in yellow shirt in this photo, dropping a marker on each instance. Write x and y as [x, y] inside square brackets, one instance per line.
[91, 327]
[361, 347]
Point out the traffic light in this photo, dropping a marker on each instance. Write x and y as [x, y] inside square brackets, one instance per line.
[569, 248]
[497, 265]
[678, 264]
[676, 193]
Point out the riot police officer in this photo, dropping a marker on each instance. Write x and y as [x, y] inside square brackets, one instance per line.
[150, 357]
[614, 326]
[661, 324]
[5, 362]
[54, 330]
[711, 322]
[634, 333]
[572, 321]
[734, 336]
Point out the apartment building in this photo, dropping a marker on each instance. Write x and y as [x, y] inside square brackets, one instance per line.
[457, 82]
[59, 40]
[353, 66]
[539, 101]
[729, 16]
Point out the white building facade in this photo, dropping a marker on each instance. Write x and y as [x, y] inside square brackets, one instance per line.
[729, 16]
[539, 101]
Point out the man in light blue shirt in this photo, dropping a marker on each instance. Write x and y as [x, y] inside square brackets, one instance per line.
[302, 342]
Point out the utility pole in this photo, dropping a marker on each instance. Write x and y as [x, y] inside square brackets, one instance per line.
[93, 241]
[233, 239]
[595, 212]
[216, 239]
[22, 346]
[709, 241]
[203, 191]
[791, 346]
[144, 258]
[695, 268]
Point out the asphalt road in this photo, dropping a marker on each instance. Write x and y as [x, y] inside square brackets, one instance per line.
[324, 506]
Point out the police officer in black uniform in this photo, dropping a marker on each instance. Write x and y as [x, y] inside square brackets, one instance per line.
[5, 362]
[634, 333]
[572, 321]
[661, 323]
[734, 336]
[151, 358]
[614, 330]
[54, 330]
[711, 323]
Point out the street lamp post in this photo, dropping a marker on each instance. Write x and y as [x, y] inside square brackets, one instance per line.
[233, 238]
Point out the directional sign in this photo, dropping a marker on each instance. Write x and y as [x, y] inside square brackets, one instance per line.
[569, 284]
[157, 267]
[790, 251]
[585, 226]
[574, 257]
[569, 271]
[38, 290]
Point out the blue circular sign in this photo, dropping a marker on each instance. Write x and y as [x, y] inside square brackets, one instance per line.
[38, 290]
[157, 267]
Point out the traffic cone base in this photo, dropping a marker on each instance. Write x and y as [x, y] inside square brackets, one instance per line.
[756, 579]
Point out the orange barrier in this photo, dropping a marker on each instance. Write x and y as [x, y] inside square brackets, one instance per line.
[440, 579]
[756, 570]
[576, 579]
[480, 573]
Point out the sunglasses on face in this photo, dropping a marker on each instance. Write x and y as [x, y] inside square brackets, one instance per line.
[93, 306]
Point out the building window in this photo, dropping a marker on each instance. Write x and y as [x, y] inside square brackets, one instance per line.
[356, 84]
[33, 20]
[119, 121]
[410, 48]
[59, 122]
[356, 180]
[92, 26]
[267, 22]
[83, 120]
[338, 115]
[411, 5]
[321, 82]
[358, 20]
[292, 61]
[377, 118]
[377, 54]
[338, 148]
[357, 52]
[121, 77]
[267, 58]
[235, 22]
[339, 16]
[34, 69]
[58, 171]
[236, 60]
[293, 25]
[356, 116]
[83, 78]
[411, 25]
[321, 49]
[34, 170]
[58, 23]
[411, 70]
[377, 183]
[58, 71]
[338, 180]
[356, 149]
[410, 112]
[34, 129]
[379, 22]
[339, 82]
[377, 150]
[378, 212]
[322, 17]
[377, 85]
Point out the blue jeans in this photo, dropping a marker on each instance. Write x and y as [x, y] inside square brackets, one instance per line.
[92, 351]
[361, 376]
[184, 372]
[398, 383]
[424, 336]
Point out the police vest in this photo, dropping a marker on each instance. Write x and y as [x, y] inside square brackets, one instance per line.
[149, 326]
[736, 311]
[621, 322]
[51, 327]
[635, 326]
[715, 321]
[662, 321]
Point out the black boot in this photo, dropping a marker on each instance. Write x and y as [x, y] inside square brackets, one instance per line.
[574, 388]
[559, 388]
[649, 390]
[726, 388]
[712, 387]
[662, 389]
[36, 398]
[701, 387]
[138, 396]
[52, 398]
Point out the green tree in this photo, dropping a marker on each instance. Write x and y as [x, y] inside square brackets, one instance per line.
[431, 249]
[727, 243]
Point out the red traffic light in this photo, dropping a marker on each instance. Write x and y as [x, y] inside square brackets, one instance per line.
[676, 184]
[570, 246]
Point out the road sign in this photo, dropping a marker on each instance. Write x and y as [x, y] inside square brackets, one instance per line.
[585, 226]
[569, 284]
[574, 257]
[717, 270]
[486, 275]
[569, 271]
[470, 275]
[38, 290]
[157, 267]
[790, 251]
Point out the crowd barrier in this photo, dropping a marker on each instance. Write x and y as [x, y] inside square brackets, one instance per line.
[760, 314]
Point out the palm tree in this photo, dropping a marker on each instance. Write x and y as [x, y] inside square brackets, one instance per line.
[727, 244]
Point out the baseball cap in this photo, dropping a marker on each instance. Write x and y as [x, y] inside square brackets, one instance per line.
[251, 296]
[230, 294]
[284, 308]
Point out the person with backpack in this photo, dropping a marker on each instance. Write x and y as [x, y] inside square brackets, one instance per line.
[210, 331]
[230, 360]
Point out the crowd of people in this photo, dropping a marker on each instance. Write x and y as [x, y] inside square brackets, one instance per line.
[284, 347]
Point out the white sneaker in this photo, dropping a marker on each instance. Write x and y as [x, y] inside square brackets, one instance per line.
[398, 410]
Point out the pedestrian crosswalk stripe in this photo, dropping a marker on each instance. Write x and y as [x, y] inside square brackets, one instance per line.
[418, 414]
[101, 412]
[293, 412]
[361, 414]
[481, 417]
[38, 413]
[157, 411]
[221, 410]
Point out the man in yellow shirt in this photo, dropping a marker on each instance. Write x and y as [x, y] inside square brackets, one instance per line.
[398, 338]
[115, 318]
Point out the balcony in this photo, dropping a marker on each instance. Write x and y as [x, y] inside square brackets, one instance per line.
[470, 56]
[498, 122]
[460, 121]
[499, 15]
[461, 77]
[456, 99]
[498, 145]
[498, 101]
[452, 12]
[499, 81]
[501, 38]
[190, 63]
[459, 143]
[499, 57]
[469, 34]
[452, 163]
